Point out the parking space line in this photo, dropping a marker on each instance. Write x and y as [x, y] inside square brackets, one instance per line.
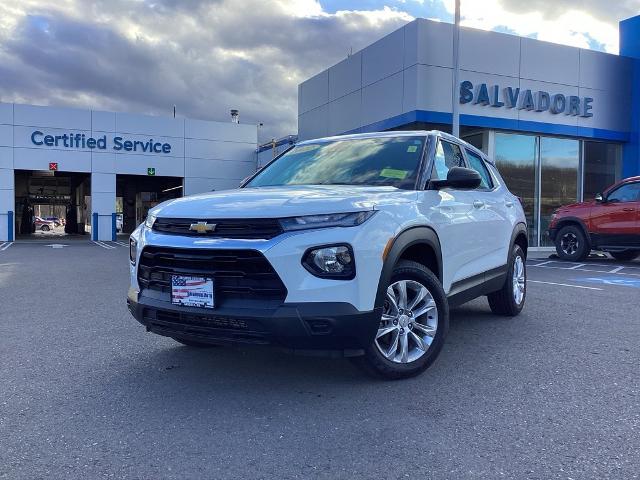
[585, 270]
[103, 245]
[122, 244]
[564, 285]
[543, 263]
[616, 270]
[5, 245]
[577, 265]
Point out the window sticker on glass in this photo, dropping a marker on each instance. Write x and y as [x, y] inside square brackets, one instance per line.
[393, 173]
[412, 148]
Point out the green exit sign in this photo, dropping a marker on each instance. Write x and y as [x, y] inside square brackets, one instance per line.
[151, 171]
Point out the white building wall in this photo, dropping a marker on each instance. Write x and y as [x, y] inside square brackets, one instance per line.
[412, 69]
[7, 195]
[208, 155]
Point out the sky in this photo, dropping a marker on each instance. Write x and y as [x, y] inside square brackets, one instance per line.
[208, 56]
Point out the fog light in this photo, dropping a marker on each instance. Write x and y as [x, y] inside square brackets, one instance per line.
[333, 261]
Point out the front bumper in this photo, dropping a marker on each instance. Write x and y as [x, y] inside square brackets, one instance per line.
[316, 328]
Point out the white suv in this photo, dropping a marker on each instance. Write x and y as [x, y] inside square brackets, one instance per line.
[353, 245]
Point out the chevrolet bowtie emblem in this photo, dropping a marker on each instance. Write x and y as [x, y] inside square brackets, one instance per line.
[202, 227]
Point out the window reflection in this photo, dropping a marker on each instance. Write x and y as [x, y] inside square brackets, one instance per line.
[559, 161]
[601, 167]
[516, 160]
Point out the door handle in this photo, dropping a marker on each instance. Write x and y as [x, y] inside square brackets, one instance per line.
[628, 209]
[508, 204]
[478, 204]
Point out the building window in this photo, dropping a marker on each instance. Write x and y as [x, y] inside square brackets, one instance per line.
[602, 167]
[516, 159]
[559, 164]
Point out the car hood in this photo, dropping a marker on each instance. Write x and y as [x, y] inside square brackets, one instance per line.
[284, 201]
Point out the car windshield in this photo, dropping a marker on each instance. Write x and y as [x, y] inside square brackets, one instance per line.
[376, 161]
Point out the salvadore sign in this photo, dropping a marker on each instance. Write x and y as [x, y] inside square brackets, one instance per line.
[80, 140]
[525, 99]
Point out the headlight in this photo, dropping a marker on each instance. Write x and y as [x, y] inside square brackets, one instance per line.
[133, 250]
[350, 219]
[151, 219]
[331, 261]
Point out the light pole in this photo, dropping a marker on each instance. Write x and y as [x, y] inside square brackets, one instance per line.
[456, 72]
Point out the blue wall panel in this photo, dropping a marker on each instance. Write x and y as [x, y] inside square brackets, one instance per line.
[630, 47]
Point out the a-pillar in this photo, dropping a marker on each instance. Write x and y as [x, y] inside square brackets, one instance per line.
[103, 206]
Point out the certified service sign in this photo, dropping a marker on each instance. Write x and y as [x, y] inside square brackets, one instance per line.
[117, 143]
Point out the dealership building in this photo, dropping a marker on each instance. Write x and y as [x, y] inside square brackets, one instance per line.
[102, 171]
[562, 123]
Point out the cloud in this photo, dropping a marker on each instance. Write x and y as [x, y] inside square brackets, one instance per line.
[208, 56]
[580, 24]
[204, 56]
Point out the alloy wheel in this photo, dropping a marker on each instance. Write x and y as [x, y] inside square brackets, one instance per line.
[409, 322]
[519, 280]
[569, 243]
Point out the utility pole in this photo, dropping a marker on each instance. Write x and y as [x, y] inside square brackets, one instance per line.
[456, 73]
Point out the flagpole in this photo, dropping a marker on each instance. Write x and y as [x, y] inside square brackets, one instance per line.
[456, 72]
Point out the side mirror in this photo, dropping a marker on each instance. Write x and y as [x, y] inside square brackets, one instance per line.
[459, 177]
[599, 198]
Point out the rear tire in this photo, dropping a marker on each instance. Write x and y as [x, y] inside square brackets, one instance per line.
[193, 343]
[45, 228]
[413, 327]
[625, 256]
[509, 300]
[571, 244]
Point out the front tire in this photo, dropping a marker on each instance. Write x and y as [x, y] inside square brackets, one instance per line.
[625, 256]
[509, 300]
[45, 228]
[571, 244]
[413, 326]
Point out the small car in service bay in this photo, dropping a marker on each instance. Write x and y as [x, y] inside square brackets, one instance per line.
[353, 245]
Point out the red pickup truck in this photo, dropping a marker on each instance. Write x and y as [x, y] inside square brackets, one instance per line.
[610, 223]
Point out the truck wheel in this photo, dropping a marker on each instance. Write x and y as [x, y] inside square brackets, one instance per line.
[571, 244]
[413, 327]
[193, 343]
[509, 300]
[625, 256]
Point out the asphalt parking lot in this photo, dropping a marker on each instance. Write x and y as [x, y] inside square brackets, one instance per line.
[86, 393]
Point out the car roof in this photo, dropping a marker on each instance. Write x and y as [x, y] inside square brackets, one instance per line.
[630, 179]
[619, 183]
[400, 133]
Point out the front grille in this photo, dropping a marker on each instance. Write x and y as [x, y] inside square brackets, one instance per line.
[257, 228]
[237, 274]
[176, 324]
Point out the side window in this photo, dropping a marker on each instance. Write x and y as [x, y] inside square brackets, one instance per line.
[448, 155]
[476, 162]
[625, 193]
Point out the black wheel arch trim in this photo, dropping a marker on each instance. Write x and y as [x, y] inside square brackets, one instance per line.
[403, 241]
[520, 228]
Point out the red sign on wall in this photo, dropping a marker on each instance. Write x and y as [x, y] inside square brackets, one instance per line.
[53, 166]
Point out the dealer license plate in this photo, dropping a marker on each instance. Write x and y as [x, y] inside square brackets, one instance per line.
[192, 291]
